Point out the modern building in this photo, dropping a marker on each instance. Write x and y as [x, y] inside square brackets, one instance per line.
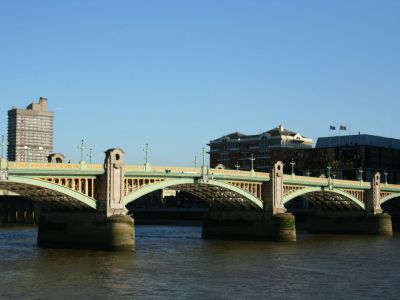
[240, 151]
[30, 132]
[353, 157]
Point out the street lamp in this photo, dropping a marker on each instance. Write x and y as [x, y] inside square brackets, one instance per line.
[82, 148]
[90, 155]
[195, 161]
[146, 150]
[329, 170]
[293, 164]
[360, 172]
[203, 154]
[237, 166]
[385, 173]
[308, 173]
[252, 159]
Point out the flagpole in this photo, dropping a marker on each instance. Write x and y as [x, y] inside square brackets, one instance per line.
[329, 136]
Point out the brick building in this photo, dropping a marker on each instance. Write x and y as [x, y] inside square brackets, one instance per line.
[234, 150]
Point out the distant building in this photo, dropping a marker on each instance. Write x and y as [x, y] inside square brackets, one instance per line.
[355, 156]
[234, 150]
[30, 132]
[358, 140]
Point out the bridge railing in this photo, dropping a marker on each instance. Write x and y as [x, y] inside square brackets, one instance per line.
[324, 180]
[52, 166]
[166, 169]
[390, 186]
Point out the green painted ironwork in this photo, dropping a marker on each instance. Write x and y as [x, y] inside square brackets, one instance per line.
[309, 190]
[182, 181]
[87, 201]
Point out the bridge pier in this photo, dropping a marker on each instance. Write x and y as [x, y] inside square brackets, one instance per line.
[3, 213]
[11, 211]
[85, 230]
[249, 225]
[350, 223]
[28, 213]
[107, 228]
[20, 216]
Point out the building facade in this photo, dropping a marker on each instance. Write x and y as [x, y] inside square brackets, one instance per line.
[353, 158]
[30, 132]
[240, 151]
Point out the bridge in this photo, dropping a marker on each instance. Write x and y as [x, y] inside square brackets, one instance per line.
[79, 201]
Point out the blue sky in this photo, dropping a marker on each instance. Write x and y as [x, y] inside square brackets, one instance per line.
[176, 74]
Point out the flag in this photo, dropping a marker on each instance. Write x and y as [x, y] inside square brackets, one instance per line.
[343, 127]
[332, 127]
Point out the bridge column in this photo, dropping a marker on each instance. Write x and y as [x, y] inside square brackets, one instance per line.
[370, 221]
[3, 213]
[271, 223]
[107, 228]
[20, 212]
[381, 223]
[274, 208]
[12, 218]
[36, 213]
[29, 213]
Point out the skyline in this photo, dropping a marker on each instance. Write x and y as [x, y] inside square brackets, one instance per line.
[176, 75]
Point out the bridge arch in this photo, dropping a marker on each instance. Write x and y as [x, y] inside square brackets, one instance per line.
[322, 193]
[389, 197]
[47, 192]
[232, 195]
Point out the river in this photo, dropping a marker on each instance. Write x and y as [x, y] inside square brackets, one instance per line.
[173, 262]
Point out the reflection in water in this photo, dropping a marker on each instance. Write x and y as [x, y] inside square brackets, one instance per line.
[174, 262]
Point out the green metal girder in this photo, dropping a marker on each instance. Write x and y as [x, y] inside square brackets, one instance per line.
[181, 181]
[54, 187]
[320, 189]
[390, 197]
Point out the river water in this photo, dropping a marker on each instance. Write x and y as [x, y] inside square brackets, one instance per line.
[173, 262]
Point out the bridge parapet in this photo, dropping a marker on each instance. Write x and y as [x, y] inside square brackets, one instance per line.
[188, 170]
[326, 181]
[52, 166]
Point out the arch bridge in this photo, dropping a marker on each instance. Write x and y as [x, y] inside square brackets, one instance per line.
[80, 186]
[106, 189]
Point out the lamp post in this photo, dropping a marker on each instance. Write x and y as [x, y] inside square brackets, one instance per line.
[203, 154]
[90, 155]
[146, 150]
[385, 173]
[293, 163]
[237, 166]
[308, 173]
[329, 170]
[360, 172]
[195, 161]
[82, 148]
[252, 159]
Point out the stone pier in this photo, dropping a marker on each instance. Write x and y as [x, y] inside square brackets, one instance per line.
[86, 230]
[249, 225]
[271, 223]
[16, 210]
[350, 223]
[107, 228]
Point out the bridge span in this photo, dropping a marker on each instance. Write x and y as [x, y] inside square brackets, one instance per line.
[85, 204]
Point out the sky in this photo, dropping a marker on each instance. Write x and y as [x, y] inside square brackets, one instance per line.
[177, 74]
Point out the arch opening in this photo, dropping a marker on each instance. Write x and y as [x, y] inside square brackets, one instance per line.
[48, 195]
[217, 194]
[330, 200]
